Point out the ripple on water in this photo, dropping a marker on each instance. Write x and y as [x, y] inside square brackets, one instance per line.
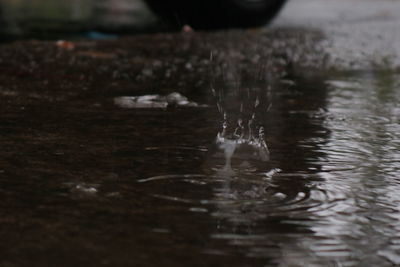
[270, 192]
[256, 211]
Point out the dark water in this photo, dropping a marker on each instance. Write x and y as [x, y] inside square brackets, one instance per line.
[92, 184]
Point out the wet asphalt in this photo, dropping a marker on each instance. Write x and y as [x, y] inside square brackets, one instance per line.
[359, 34]
[58, 120]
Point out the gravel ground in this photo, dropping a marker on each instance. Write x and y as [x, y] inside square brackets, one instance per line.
[62, 71]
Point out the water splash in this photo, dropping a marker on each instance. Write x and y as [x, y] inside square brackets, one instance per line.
[244, 142]
[243, 101]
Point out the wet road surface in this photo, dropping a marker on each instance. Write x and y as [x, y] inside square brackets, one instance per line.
[87, 182]
[359, 34]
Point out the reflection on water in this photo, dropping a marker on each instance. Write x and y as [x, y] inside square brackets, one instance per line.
[362, 162]
[327, 196]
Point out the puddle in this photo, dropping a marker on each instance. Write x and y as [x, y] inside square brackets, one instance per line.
[317, 186]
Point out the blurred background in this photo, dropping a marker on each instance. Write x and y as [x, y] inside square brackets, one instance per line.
[354, 29]
[49, 18]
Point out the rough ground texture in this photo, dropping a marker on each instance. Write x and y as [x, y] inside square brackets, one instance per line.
[43, 71]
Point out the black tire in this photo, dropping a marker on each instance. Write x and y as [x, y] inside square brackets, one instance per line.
[216, 14]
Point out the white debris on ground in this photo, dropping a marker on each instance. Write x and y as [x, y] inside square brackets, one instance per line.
[146, 101]
[155, 101]
[82, 189]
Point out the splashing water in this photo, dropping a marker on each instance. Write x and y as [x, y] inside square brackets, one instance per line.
[246, 143]
[243, 101]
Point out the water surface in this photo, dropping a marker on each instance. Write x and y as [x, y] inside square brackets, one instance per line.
[94, 184]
